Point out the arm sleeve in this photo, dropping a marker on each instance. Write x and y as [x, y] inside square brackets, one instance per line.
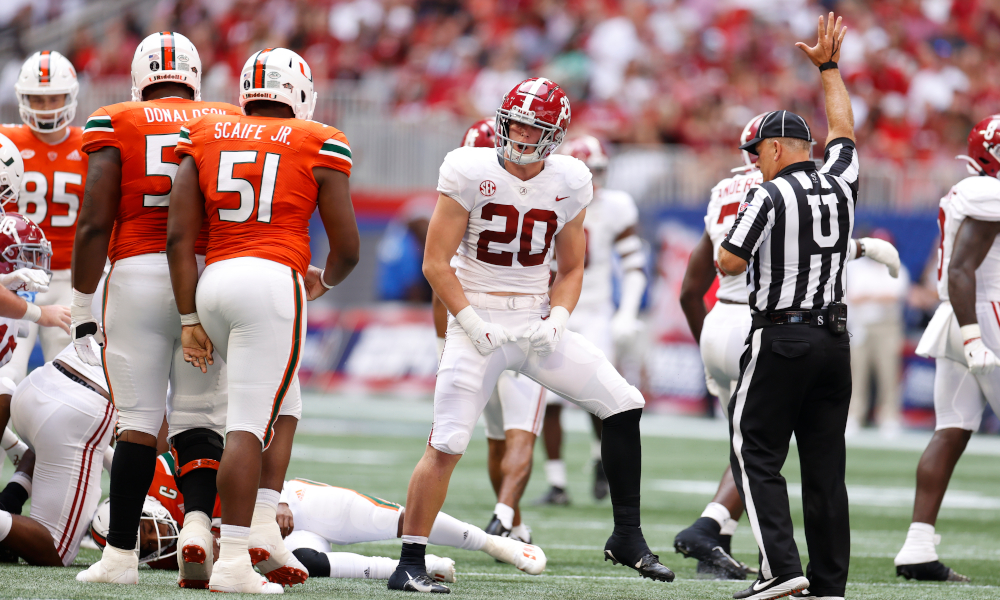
[753, 224]
[99, 132]
[841, 160]
[450, 183]
[335, 152]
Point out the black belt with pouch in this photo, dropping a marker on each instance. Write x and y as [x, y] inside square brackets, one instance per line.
[833, 317]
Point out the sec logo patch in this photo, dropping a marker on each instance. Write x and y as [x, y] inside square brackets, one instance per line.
[487, 188]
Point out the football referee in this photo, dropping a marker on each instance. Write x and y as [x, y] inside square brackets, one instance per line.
[792, 237]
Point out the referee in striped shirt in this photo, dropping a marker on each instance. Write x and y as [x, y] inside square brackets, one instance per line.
[792, 238]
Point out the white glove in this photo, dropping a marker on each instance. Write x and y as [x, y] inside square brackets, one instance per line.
[84, 327]
[485, 335]
[26, 280]
[883, 252]
[544, 334]
[980, 359]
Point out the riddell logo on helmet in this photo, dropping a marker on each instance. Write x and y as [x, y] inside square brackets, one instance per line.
[260, 95]
[166, 76]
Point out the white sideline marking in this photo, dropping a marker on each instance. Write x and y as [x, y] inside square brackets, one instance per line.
[860, 495]
[342, 456]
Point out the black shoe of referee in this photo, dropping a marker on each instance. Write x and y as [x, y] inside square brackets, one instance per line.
[703, 542]
[930, 571]
[632, 551]
[777, 587]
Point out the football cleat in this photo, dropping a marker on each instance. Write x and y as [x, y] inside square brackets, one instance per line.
[195, 559]
[495, 527]
[701, 541]
[269, 554]
[556, 496]
[237, 576]
[777, 587]
[521, 533]
[527, 558]
[409, 581]
[631, 550]
[440, 568]
[930, 571]
[808, 594]
[649, 566]
[115, 566]
[601, 487]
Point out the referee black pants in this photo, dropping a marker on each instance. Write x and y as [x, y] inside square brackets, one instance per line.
[794, 378]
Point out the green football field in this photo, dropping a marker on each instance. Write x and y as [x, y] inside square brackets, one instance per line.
[371, 445]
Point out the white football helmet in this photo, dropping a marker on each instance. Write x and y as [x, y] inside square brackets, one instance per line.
[152, 510]
[11, 171]
[47, 73]
[278, 75]
[165, 56]
[749, 160]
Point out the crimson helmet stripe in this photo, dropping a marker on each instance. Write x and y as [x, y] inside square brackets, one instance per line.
[258, 68]
[167, 50]
[44, 71]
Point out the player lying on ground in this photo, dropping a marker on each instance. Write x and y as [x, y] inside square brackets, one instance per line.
[721, 334]
[964, 339]
[518, 203]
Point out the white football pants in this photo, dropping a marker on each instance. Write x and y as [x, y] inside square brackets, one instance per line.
[960, 396]
[254, 311]
[576, 370]
[68, 427]
[143, 357]
[594, 324]
[723, 340]
[516, 403]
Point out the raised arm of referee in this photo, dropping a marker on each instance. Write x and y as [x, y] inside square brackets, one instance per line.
[792, 238]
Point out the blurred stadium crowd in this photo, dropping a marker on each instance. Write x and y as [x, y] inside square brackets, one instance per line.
[686, 72]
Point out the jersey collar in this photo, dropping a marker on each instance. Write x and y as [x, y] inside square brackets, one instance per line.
[806, 165]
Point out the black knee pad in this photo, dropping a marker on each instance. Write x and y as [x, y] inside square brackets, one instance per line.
[196, 445]
[317, 563]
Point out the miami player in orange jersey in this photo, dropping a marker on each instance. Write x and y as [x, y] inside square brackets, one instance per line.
[124, 219]
[258, 179]
[52, 187]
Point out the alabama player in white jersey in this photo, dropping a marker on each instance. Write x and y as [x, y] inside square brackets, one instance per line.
[610, 230]
[504, 213]
[721, 335]
[315, 515]
[513, 414]
[964, 340]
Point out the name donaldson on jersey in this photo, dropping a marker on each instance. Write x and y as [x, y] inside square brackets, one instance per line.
[166, 115]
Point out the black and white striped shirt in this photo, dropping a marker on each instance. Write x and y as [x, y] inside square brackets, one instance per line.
[794, 232]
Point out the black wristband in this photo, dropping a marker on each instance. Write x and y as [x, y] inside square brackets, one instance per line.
[828, 65]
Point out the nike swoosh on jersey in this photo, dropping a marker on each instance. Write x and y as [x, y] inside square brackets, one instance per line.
[563, 198]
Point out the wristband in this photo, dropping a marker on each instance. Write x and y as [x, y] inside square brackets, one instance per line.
[559, 314]
[321, 280]
[468, 318]
[827, 66]
[190, 319]
[970, 333]
[32, 313]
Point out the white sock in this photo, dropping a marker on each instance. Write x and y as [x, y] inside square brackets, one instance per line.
[521, 532]
[415, 539]
[717, 512]
[345, 565]
[555, 473]
[919, 545]
[730, 527]
[505, 514]
[6, 523]
[266, 508]
[449, 531]
[595, 449]
[234, 543]
[22, 479]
